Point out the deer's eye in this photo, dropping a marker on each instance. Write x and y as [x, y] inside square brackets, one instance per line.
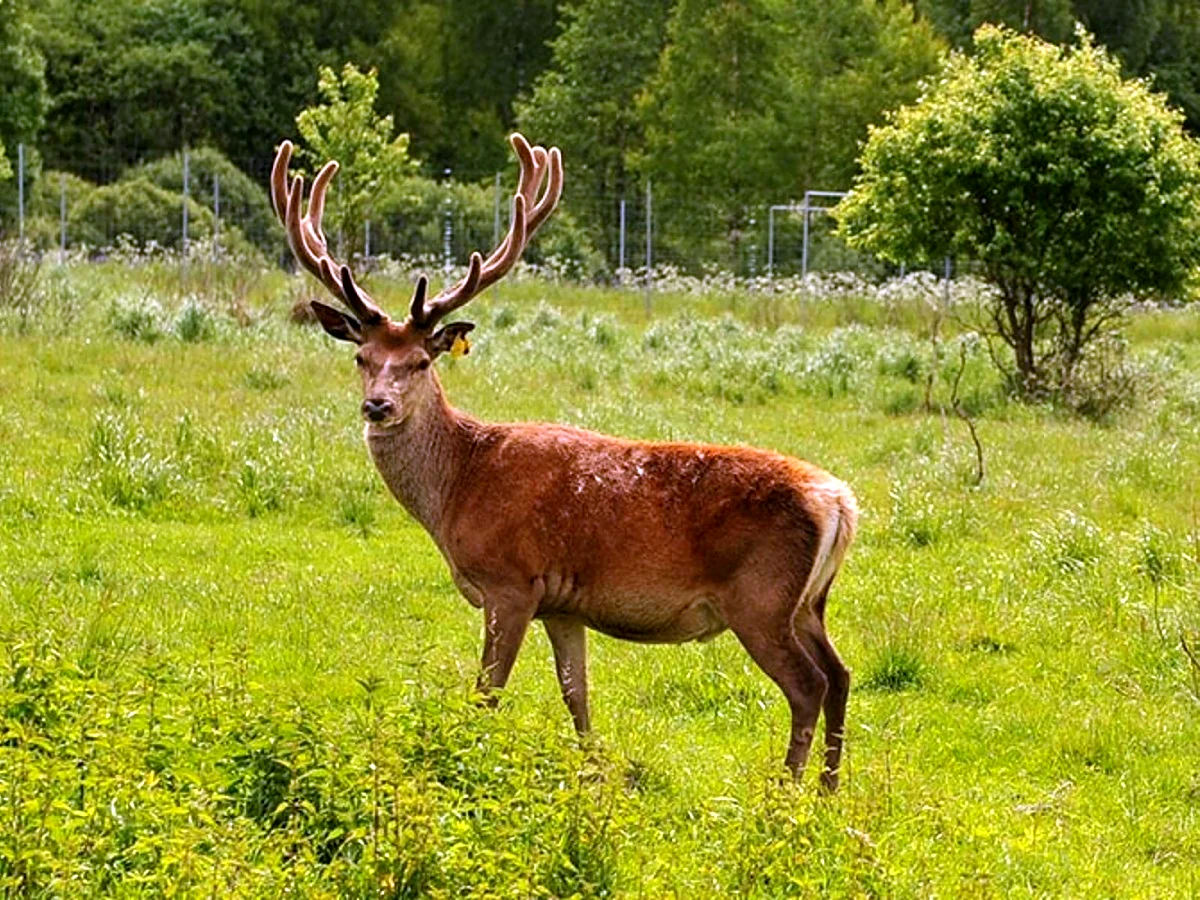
[423, 365]
[359, 361]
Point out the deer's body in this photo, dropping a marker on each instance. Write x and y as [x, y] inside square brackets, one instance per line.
[641, 541]
[650, 542]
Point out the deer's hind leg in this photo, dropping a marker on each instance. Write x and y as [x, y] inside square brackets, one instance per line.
[760, 613]
[810, 630]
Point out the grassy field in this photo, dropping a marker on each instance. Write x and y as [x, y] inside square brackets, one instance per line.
[231, 666]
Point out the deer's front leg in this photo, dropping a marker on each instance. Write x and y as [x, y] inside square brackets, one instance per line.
[568, 637]
[506, 618]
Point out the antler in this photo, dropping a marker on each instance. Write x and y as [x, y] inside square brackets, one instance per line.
[528, 213]
[306, 238]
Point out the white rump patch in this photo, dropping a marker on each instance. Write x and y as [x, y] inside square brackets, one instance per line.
[824, 567]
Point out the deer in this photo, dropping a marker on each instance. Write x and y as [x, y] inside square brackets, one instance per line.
[652, 542]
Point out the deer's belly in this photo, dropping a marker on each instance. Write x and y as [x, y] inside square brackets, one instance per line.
[651, 619]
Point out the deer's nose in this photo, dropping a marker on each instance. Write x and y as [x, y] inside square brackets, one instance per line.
[377, 410]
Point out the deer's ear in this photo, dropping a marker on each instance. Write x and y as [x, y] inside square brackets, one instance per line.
[446, 338]
[337, 323]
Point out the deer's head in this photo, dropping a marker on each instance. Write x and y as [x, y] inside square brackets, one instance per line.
[396, 358]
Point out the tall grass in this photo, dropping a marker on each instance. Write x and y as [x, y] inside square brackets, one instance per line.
[230, 664]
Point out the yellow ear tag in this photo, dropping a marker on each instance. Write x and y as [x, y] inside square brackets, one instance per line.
[460, 347]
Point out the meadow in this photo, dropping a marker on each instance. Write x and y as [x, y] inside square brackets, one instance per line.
[230, 665]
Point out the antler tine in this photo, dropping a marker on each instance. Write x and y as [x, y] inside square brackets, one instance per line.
[528, 213]
[552, 194]
[279, 188]
[306, 238]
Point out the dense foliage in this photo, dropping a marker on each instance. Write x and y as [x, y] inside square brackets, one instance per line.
[1069, 186]
[670, 92]
[22, 83]
[754, 103]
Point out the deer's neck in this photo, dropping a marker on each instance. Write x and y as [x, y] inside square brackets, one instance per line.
[420, 460]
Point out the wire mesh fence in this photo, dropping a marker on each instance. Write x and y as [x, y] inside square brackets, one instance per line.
[199, 204]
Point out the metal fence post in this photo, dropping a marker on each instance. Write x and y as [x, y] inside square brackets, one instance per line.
[649, 240]
[186, 178]
[752, 263]
[621, 242]
[804, 251]
[447, 230]
[496, 213]
[21, 193]
[62, 219]
[771, 242]
[216, 242]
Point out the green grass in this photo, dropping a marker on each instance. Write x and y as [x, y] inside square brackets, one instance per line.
[229, 664]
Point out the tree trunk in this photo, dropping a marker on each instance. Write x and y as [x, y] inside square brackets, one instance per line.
[1020, 333]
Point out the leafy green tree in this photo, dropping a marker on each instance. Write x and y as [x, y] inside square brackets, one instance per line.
[586, 103]
[22, 83]
[957, 20]
[860, 60]
[409, 60]
[1174, 59]
[1158, 38]
[296, 37]
[1068, 185]
[1127, 28]
[345, 127]
[718, 119]
[130, 81]
[492, 53]
[755, 101]
[1053, 20]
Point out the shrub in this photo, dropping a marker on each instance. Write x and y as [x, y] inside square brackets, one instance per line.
[195, 322]
[1071, 543]
[895, 667]
[148, 214]
[1069, 186]
[243, 201]
[20, 284]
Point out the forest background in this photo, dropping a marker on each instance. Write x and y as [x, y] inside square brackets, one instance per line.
[725, 107]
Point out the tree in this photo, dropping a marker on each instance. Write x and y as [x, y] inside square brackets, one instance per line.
[586, 103]
[22, 84]
[860, 60]
[346, 128]
[755, 101]
[491, 54]
[718, 121]
[958, 19]
[136, 81]
[1173, 58]
[1068, 185]
[1052, 20]
[1159, 38]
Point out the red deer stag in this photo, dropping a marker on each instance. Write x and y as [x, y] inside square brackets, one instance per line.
[652, 542]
